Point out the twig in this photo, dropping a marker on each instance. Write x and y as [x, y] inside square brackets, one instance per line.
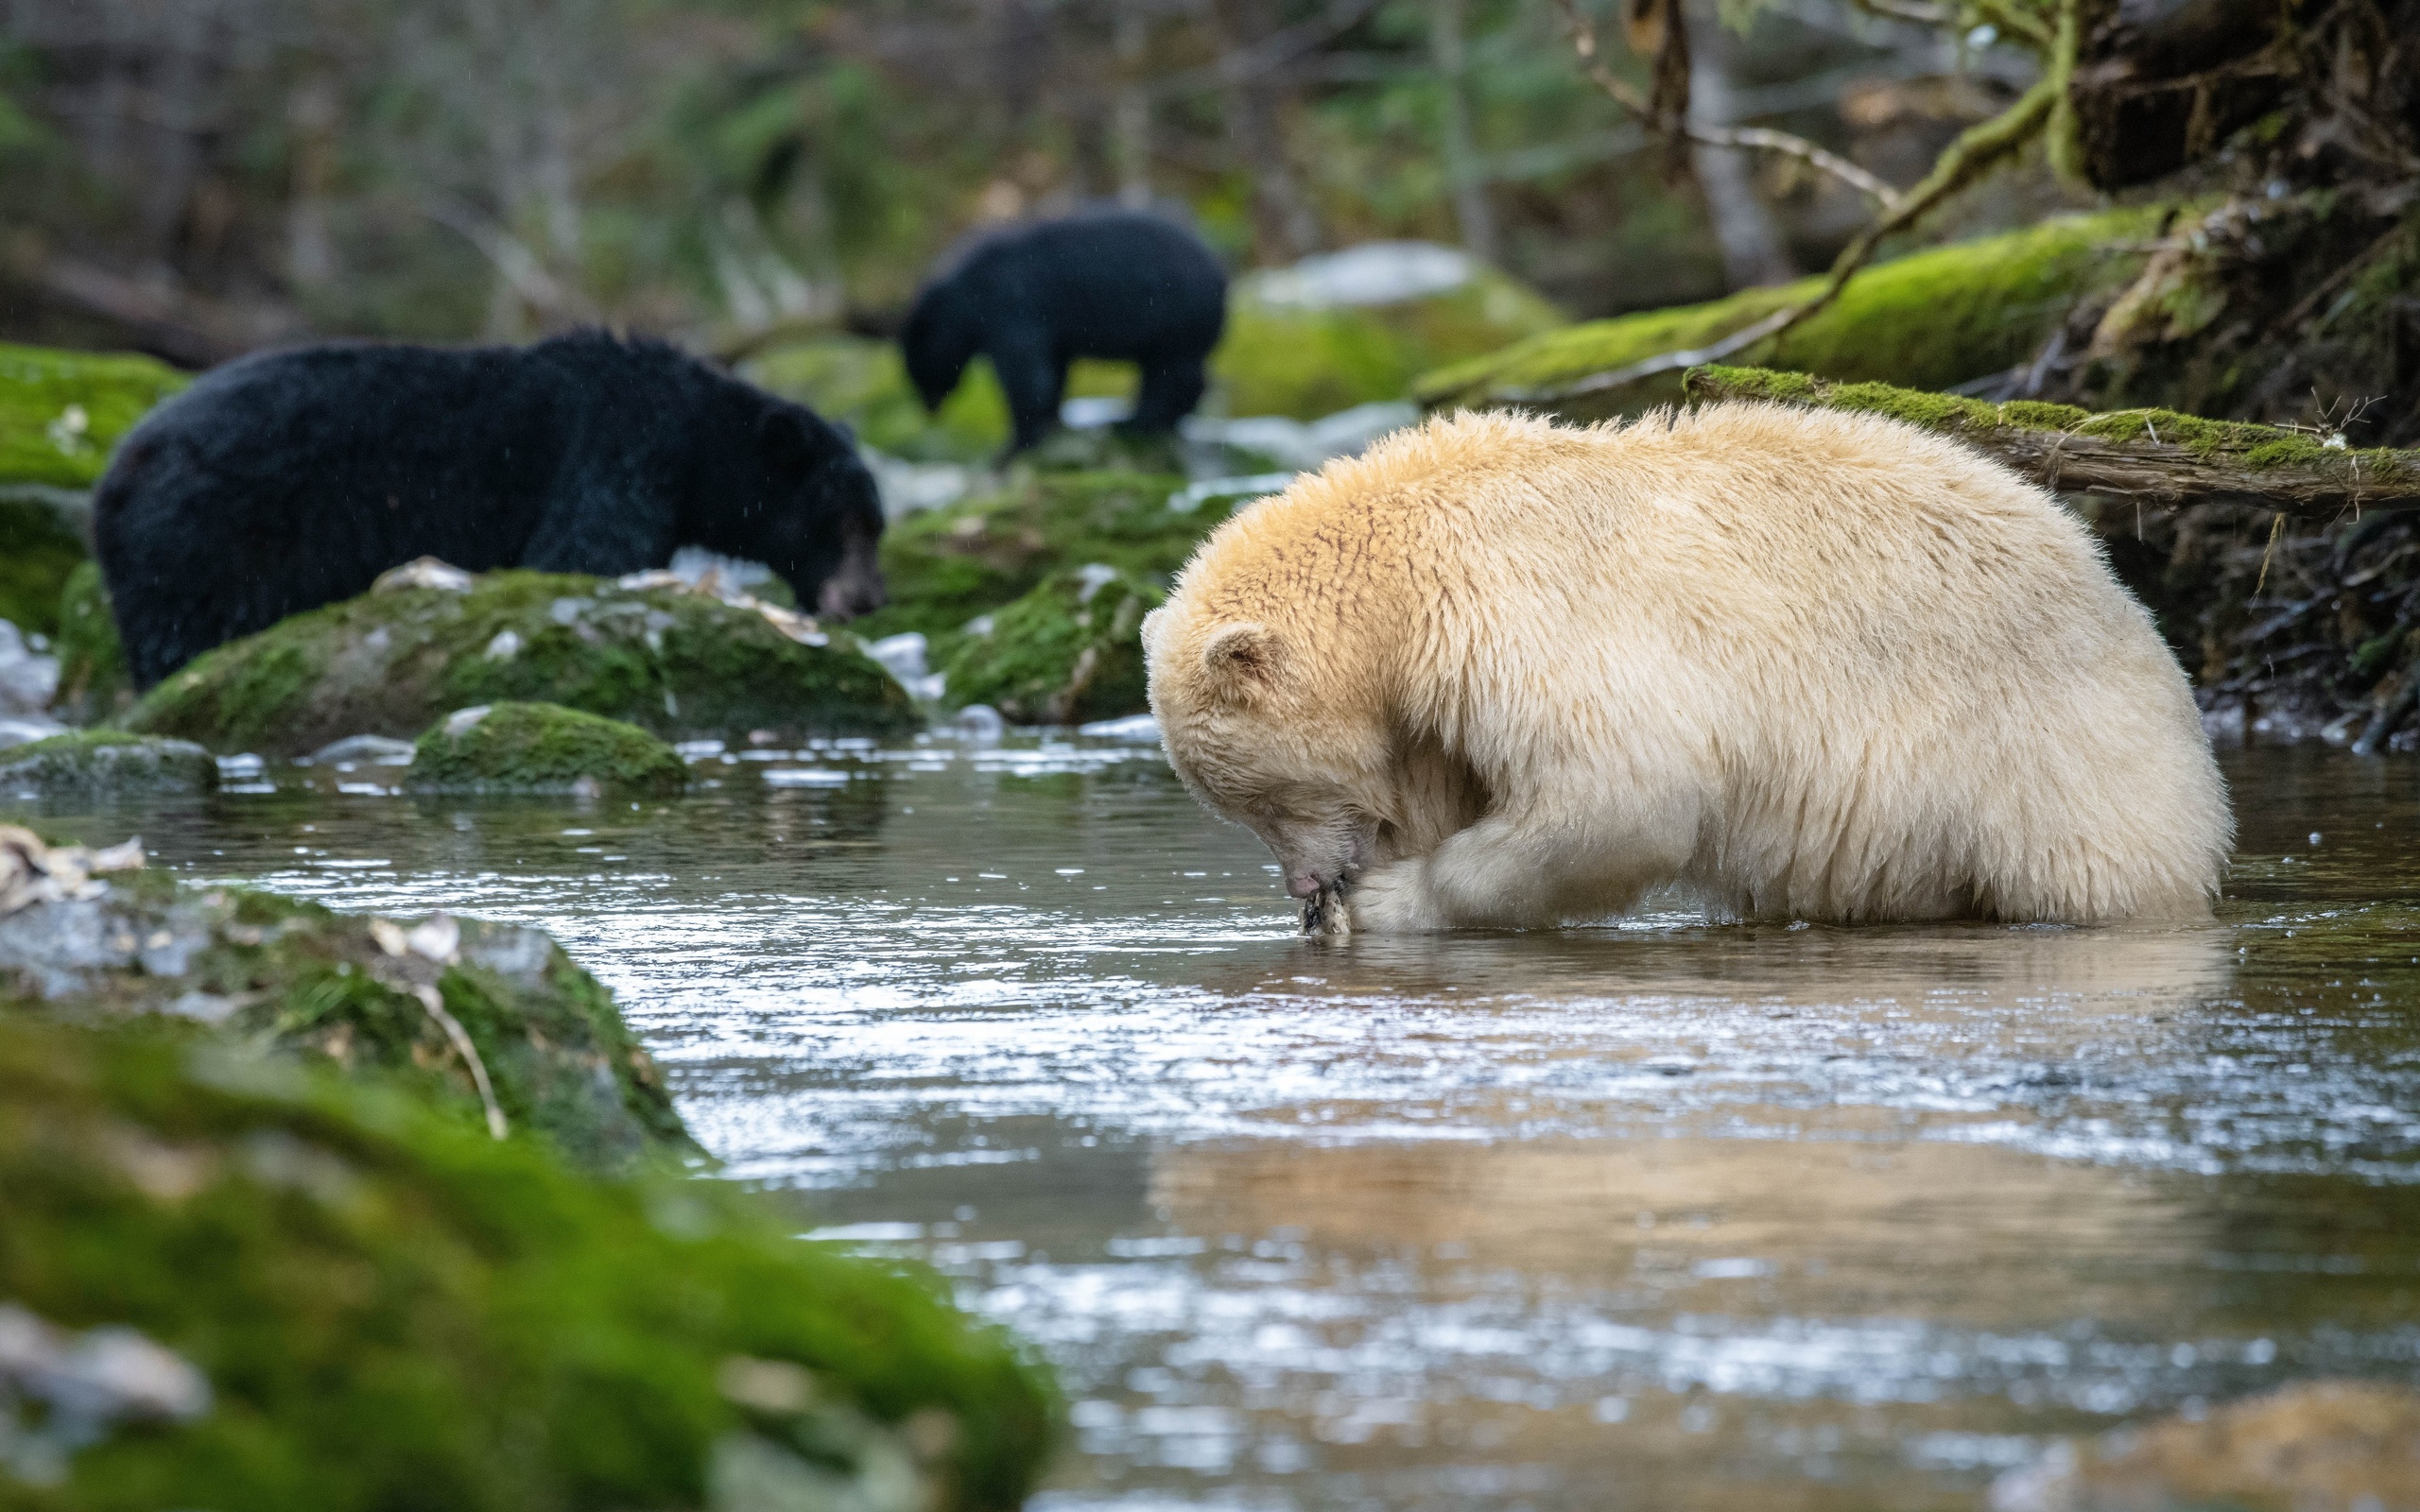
[430, 1000]
[1764, 139]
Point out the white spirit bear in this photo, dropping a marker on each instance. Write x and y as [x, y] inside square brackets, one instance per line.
[1500, 673]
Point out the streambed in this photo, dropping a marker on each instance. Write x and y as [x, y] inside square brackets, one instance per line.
[1659, 1215]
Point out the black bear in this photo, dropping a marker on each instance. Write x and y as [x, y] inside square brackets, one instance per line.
[1117, 284]
[291, 480]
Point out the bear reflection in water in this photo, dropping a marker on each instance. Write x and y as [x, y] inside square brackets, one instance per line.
[1502, 672]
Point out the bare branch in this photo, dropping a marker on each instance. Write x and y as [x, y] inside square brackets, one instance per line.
[1763, 139]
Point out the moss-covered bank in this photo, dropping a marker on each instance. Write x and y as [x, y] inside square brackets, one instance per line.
[62, 411]
[38, 551]
[1069, 651]
[676, 662]
[467, 1016]
[538, 748]
[392, 1311]
[98, 763]
[1931, 319]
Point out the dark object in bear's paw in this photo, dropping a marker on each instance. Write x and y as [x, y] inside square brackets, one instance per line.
[1116, 284]
[292, 479]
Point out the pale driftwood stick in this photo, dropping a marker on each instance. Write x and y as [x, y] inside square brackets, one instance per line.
[2152, 455]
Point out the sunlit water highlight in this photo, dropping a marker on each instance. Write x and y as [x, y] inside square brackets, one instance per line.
[1660, 1215]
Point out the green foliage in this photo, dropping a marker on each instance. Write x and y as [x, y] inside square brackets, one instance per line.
[1071, 650]
[37, 553]
[92, 664]
[865, 384]
[394, 1311]
[107, 761]
[1927, 321]
[947, 566]
[1306, 361]
[539, 748]
[62, 411]
[676, 662]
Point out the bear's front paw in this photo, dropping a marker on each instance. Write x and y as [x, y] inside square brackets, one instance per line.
[1394, 899]
[1325, 913]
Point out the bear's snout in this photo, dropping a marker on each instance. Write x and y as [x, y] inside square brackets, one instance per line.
[1302, 883]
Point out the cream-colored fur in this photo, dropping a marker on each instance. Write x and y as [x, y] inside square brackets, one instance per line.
[1499, 672]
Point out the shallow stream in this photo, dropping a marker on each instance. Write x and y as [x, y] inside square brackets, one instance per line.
[1656, 1216]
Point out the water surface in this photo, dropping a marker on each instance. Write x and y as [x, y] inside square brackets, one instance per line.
[1661, 1215]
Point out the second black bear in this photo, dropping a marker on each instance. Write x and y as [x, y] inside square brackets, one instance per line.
[291, 480]
[1122, 284]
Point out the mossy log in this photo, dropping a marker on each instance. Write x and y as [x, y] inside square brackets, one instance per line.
[2156, 455]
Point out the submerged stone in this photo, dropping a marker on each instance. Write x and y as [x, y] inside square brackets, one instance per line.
[1070, 651]
[538, 748]
[331, 1298]
[650, 651]
[489, 1023]
[106, 762]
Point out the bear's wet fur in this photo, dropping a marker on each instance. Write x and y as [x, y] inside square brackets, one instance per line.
[1499, 672]
[290, 479]
[1122, 284]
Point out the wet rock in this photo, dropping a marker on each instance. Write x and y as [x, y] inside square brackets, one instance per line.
[93, 686]
[1069, 651]
[79, 1388]
[541, 747]
[2318, 1446]
[354, 751]
[294, 1292]
[490, 1023]
[106, 762]
[24, 729]
[649, 650]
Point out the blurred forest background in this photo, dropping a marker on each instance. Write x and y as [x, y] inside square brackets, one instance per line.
[196, 178]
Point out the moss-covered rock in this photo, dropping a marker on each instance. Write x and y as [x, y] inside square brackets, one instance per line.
[62, 411]
[392, 1311]
[1932, 320]
[947, 566]
[677, 662]
[1293, 349]
[93, 686]
[1069, 651]
[106, 762]
[38, 551]
[467, 1016]
[540, 747]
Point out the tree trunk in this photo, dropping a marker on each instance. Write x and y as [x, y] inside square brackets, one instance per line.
[1754, 251]
[1472, 216]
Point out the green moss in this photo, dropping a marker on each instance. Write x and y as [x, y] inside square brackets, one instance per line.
[38, 551]
[92, 664]
[393, 1311]
[539, 748]
[1929, 320]
[947, 566]
[1069, 651]
[288, 979]
[62, 411]
[864, 383]
[1306, 361]
[675, 662]
[2238, 442]
[95, 762]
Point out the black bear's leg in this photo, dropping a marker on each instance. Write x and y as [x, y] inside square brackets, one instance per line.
[1172, 387]
[1032, 376]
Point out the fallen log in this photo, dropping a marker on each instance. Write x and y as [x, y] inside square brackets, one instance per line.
[2154, 455]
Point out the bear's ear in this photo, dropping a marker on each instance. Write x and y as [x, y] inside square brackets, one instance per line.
[788, 446]
[1243, 659]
